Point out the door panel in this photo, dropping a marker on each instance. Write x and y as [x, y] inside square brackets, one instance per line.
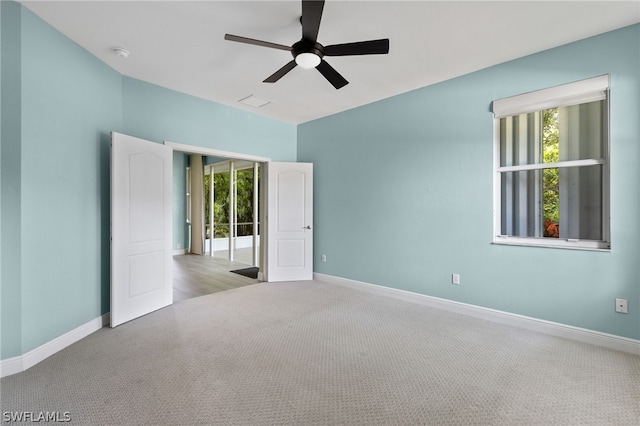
[141, 227]
[290, 220]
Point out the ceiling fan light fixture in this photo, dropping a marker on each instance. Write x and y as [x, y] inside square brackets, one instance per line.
[307, 60]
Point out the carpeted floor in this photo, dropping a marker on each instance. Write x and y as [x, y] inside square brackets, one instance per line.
[312, 353]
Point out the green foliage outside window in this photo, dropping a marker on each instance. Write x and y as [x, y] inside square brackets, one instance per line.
[551, 189]
[244, 202]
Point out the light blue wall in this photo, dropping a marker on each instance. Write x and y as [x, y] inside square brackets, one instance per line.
[63, 102]
[70, 103]
[403, 193]
[10, 243]
[180, 162]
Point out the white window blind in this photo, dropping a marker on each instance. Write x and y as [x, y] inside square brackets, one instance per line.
[579, 92]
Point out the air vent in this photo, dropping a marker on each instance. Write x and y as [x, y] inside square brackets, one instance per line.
[254, 101]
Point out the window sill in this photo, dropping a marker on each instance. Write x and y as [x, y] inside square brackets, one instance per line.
[554, 243]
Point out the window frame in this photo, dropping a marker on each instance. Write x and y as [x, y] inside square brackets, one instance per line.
[579, 92]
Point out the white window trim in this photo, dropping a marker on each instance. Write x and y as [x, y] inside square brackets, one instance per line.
[582, 91]
[552, 243]
[541, 166]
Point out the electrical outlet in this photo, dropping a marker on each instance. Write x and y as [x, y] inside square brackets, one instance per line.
[179, 246]
[455, 279]
[323, 257]
[621, 306]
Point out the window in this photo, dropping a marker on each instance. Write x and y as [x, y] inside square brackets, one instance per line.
[552, 167]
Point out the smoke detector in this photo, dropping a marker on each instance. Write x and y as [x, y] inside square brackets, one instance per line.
[121, 52]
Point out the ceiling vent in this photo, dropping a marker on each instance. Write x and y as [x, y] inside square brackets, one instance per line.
[254, 101]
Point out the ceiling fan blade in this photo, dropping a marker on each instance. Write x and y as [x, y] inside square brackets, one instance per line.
[370, 47]
[247, 40]
[311, 15]
[280, 73]
[331, 74]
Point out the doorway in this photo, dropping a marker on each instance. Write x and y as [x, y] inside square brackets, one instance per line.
[141, 188]
[230, 232]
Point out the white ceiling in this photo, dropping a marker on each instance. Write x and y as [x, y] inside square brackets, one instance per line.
[180, 44]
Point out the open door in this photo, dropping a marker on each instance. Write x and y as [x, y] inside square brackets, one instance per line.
[141, 227]
[290, 221]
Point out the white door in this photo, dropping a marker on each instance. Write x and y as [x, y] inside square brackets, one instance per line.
[290, 221]
[141, 227]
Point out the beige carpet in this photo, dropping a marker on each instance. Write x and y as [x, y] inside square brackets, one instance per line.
[313, 353]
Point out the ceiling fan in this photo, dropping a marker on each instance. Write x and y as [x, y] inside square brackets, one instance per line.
[308, 53]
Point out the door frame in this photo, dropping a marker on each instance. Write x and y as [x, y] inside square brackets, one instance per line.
[263, 275]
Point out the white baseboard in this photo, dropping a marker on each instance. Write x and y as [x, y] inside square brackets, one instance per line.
[11, 366]
[179, 252]
[20, 363]
[552, 328]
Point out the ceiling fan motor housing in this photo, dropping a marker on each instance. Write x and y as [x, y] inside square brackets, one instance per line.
[307, 46]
